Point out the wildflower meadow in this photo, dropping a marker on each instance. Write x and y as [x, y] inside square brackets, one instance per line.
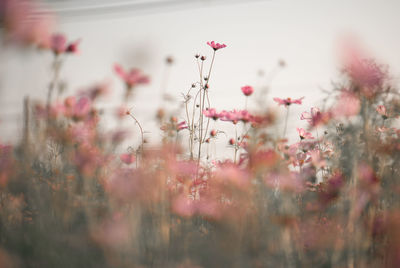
[75, 194]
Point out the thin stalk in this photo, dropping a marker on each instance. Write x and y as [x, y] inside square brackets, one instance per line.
[56, 67]
[286, 121]
[141, 131]
[202, 108]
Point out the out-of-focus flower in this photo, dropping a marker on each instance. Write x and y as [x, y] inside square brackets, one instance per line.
[316, 158]
[381, 109]
[216, 46]
[304, 134]
[366, 72]
[131, 78]
[59, 45]
[121, 112]
[288, 101]
[127, 158]
[182, 125]
[211, 113]
[25, 22]
[247, 90]
[77, 110]
[328, 191]
[347, 105]
[367, 76]
[96, 91]
[233, 116]
[316, 117]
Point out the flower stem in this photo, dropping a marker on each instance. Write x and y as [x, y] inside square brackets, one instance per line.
[286, 121]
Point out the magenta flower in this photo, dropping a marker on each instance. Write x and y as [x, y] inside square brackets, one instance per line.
[288, 101]
[216, 46]
[304, 134]
[132, 78]
[247, 90]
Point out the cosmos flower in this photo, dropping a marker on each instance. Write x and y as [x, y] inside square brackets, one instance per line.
[211, 113]
[216, 46]
[304, 134]
[315, 117]
[381, 109]
[59, 45]
[131, 78]
[127, 158]
[247, 90]
[288, 101]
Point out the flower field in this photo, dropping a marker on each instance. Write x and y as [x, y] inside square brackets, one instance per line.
[73, 194]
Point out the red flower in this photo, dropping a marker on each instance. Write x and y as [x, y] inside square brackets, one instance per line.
[247, 90]
[216, 46]
[288, 101]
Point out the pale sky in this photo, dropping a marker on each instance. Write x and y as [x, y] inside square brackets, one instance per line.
[305, 34]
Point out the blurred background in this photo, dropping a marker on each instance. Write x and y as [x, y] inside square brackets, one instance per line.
[305, 35]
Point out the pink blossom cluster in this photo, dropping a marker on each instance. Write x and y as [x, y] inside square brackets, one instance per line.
[233, 116]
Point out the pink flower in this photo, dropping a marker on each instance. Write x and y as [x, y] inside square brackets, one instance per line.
[95, 91]
[211, 113]
[304, 134]
[58, 43]
[132, 78]
[233, 116]
[82, 108]
[316, 117]
[121, 111]
[182, 125]
[26, 22]
[365, 72]
[288, 101]
[216, 46]
[381, 109]
[247, 90]
[317, 158]
[127, 158]
[367, 76]
[348, 105]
